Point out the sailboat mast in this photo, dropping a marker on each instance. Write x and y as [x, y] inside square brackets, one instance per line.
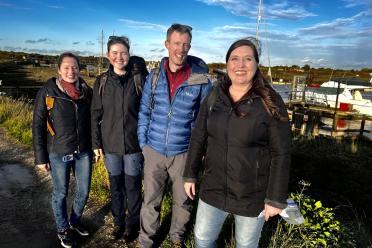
[268, 54]
[259, 15]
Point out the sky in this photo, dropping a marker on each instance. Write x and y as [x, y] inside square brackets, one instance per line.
[320, 33]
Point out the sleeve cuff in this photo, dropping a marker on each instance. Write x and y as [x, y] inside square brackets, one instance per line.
[276, 204]
[189, 180]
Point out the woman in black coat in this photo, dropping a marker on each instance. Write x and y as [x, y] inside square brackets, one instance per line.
[244, 136]
[116, 98]
[62, 142]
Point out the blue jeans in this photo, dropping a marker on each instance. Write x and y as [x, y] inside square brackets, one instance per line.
[125, 175]
[209, 221]
[81, 163]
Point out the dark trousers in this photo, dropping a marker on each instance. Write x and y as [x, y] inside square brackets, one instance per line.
[125, 187]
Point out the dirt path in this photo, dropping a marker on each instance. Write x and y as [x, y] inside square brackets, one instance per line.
[25, 212]
[26, 218]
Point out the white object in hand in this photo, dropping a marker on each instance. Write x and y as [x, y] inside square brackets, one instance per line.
[291, 214]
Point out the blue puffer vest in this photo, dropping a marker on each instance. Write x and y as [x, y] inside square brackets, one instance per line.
[167, 128]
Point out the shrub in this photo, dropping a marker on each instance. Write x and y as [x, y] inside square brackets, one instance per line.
[320, 229]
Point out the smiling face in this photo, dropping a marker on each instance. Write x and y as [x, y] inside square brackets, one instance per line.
[118, 55]
[69, 70]
[241, 65]
[178, 46]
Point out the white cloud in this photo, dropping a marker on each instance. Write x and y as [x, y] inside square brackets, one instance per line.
[55, 7]
[143, 25]
[284, 10]
[13, 6]
[355, 3]
[41, 40]
[48, 51]
[351, 28]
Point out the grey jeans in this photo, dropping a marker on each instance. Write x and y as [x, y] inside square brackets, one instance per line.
[157, 170]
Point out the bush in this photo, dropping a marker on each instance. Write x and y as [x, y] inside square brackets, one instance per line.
[320, 229]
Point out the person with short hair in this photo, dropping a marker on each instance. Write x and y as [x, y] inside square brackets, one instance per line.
[169, 106]
[115, 106]
[62, 142]
[244, 139]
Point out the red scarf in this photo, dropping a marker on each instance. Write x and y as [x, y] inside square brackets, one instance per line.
[70, 90]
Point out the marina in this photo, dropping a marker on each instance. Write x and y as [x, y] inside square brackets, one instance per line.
[313, 110]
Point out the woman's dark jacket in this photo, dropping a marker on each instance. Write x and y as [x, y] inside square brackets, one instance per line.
[247, 159]
[69, 119]
[115, 113]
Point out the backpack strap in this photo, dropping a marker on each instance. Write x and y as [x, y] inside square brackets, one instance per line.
[213, 96]
[154, 82]
[102, 83]
[49, 102]
[211, 99]
[138, 83]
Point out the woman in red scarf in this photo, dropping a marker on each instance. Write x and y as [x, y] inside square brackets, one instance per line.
[62, 142]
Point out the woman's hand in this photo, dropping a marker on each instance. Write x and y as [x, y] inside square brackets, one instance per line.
[190, 190]
[271, 211]
[98, 153]
[45, 167]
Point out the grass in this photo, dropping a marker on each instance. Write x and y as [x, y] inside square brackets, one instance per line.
[339, 178]
[100, 187]
[16, 117]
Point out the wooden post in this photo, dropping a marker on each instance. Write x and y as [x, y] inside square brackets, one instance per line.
[303, 128]
[354, 145]
[100, 62]
[361, 130]
[334, 126]
[315, 131]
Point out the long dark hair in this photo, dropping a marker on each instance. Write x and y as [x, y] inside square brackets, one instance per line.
[260, 86]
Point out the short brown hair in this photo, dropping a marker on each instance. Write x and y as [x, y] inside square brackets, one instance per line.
[180, 28]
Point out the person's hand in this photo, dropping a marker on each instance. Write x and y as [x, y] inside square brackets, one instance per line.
[190, 190]
[271, 211]
[45, 167]
[98, 153]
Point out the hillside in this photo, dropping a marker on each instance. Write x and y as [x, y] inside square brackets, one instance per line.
[18, 68]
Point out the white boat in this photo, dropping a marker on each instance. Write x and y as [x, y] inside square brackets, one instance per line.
[349, 98]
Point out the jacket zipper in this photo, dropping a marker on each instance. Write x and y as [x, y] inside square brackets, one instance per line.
[169, 115]
[123, 110]
[227, 151]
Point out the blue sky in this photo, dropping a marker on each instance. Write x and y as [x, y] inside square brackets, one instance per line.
[321, 33]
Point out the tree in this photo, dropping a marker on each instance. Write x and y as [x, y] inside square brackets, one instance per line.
[306, 67]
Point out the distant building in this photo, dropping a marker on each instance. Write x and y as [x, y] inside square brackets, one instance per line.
[91, 70]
